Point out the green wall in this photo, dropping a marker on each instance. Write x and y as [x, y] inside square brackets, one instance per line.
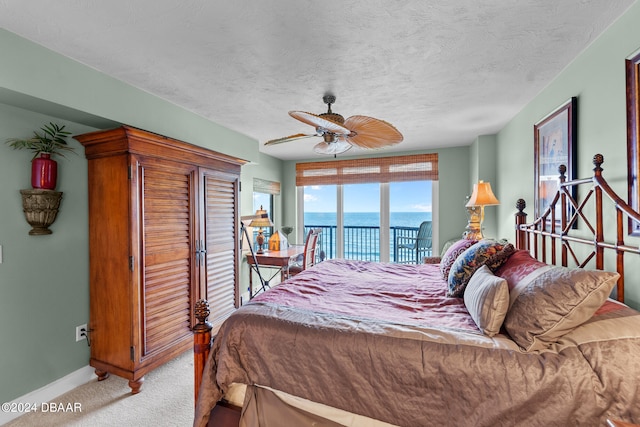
[597, 78]
[482, 166]
[454, 185]
[44, 279]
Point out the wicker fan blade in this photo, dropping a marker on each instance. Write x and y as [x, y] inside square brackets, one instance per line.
[336, 147]
[290, 138]
[372, 133]
[319, 122]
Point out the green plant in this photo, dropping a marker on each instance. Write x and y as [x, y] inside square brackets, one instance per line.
[51, 141]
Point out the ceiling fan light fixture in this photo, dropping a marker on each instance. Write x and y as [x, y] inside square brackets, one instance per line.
[329, 137]
[337, 147]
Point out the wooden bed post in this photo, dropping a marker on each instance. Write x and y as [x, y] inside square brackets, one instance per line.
[521, 219]
[598, 160]
[562, 170]
[201, 342]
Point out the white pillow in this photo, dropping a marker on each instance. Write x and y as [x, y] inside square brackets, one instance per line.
[487, 300]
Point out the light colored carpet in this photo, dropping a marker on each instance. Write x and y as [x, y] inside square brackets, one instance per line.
[166, 399]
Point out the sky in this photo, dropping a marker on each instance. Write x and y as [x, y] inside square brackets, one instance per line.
[412, 196]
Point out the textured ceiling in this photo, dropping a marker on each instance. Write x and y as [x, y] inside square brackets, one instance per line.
[443, 72]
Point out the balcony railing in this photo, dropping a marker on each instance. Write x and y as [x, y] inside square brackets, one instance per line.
[362, 243]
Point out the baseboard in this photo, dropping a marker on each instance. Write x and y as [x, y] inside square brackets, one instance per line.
[49, 392]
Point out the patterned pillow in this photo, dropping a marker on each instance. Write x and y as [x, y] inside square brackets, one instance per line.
[487, 300]
[488, 252]
[519, 264]
[452, 253]
[552, 301]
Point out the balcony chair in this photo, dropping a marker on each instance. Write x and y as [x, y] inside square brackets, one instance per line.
[310, 255]
[421, 245]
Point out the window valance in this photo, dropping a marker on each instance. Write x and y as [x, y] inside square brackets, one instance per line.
[419, 167]
[266, 186]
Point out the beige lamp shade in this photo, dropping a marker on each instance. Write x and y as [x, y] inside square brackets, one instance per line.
[482, 195]
[264, 221]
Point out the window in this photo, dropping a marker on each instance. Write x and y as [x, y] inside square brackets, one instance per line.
[361, 221]
[263, 198]
[364, 206]
[319, 206]
[263, 201]
[410, 204]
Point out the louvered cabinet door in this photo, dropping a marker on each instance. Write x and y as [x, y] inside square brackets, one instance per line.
[220, 192]
[167, 216]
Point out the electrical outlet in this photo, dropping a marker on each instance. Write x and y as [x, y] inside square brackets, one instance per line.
[81, 332]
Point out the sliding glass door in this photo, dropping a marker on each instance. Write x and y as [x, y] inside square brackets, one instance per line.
[368, 221]
[361, 221]
[320, 211]
[410, 205]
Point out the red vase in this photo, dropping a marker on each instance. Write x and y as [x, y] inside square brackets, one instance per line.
[44, 172]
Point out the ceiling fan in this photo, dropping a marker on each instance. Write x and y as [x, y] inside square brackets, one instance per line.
[339, 134]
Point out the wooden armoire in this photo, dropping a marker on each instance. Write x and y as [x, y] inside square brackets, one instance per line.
[163, 233]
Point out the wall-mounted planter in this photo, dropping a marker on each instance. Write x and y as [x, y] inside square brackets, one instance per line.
[40, 209]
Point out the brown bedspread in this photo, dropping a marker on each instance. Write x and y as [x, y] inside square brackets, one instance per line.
[354, 354]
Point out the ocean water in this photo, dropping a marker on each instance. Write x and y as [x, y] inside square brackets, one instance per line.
[370, 219]
[364, 243]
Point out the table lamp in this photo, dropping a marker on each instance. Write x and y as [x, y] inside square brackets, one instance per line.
[263, 221]
[482, 196]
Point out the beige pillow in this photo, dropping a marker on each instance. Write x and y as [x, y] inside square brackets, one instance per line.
[551, 301]
[487, 300]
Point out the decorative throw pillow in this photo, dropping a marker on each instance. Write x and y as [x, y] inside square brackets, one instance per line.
[452, 253]
[487, 300]
[552, 301]
[519, 264]
[488, 252]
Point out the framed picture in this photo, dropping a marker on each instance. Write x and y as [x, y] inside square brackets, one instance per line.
[555, 145]
[632, 66]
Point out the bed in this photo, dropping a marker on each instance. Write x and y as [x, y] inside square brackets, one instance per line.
[494, 334]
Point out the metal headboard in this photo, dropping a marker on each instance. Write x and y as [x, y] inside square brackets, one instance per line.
[557, 228]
